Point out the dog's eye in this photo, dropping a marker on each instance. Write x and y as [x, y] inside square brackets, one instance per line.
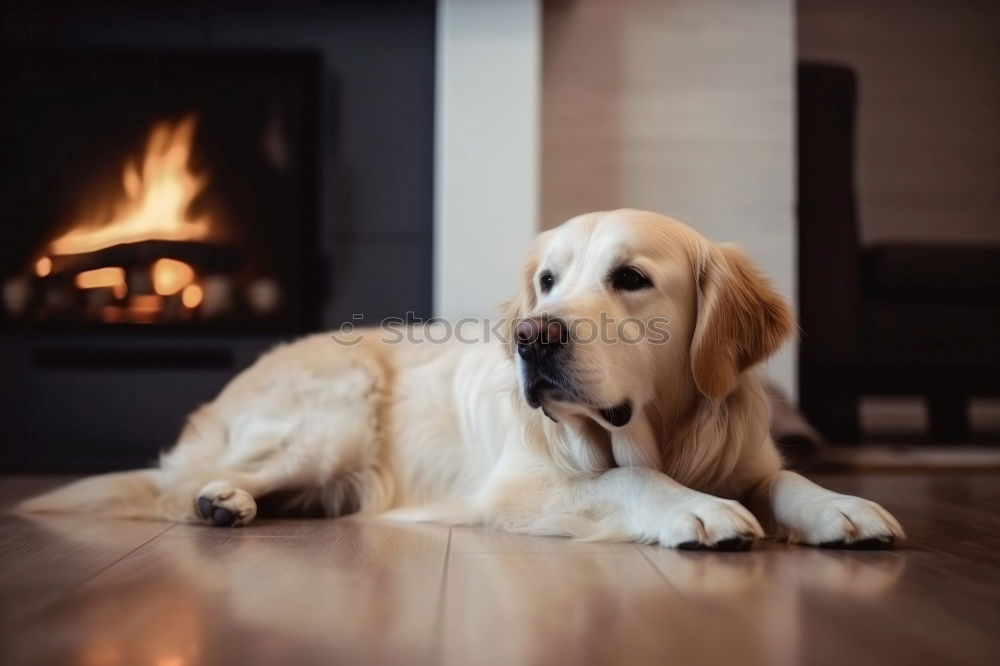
[629, 279]
[545, 281]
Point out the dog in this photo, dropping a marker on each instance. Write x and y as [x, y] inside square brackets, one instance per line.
[619, 402]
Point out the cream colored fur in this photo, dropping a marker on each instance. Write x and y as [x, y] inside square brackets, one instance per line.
[425, 431]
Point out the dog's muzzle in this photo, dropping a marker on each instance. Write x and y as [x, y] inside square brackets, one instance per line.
[540, 340]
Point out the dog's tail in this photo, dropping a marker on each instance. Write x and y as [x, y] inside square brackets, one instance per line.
[134, 494]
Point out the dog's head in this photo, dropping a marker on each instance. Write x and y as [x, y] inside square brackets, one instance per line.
[623, 308]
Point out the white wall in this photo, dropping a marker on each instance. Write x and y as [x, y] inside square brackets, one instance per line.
[681, 107]
[486, 153]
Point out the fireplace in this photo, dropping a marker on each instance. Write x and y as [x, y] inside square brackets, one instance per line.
[171, 212]
[163, 190]
[161, 223]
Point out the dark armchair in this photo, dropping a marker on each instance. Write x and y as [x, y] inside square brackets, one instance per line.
[901, 319]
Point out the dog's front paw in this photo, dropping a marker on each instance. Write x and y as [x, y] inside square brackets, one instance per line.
[842, 521]
[221, 505]
[710, 523]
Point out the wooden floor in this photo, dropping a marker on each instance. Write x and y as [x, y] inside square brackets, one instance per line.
[78, 590]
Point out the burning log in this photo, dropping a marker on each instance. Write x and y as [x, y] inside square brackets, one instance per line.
[206, 257]
[148, 281]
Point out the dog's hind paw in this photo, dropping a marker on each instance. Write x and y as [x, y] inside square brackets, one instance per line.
[221, 505]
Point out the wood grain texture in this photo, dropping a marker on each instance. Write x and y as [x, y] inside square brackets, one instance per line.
[43, 557]
[77, 590]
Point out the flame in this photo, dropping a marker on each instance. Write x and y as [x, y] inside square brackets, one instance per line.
[157, 198]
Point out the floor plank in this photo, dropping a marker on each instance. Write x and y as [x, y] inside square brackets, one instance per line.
[350, 592]
[80, 590]
[559, 607]
[486, 540]
[782, 604]
[38, 562]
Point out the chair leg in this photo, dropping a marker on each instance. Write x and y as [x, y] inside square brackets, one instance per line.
[844, 421]
[835, 416]
[949, 417]
[829, 403]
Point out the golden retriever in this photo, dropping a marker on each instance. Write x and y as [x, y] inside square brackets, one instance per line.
[618, 404]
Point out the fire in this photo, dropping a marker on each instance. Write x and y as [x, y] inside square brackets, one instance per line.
[146, 304]
[43, 267]
[112, 277]
[170, 276]
[138, 282]
[156, 201]
[192, 296]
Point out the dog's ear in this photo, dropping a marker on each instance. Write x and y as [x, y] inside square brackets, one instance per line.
[523, 302]
[741, 320]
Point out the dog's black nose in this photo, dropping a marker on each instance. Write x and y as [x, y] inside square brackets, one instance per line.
[539, 338]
